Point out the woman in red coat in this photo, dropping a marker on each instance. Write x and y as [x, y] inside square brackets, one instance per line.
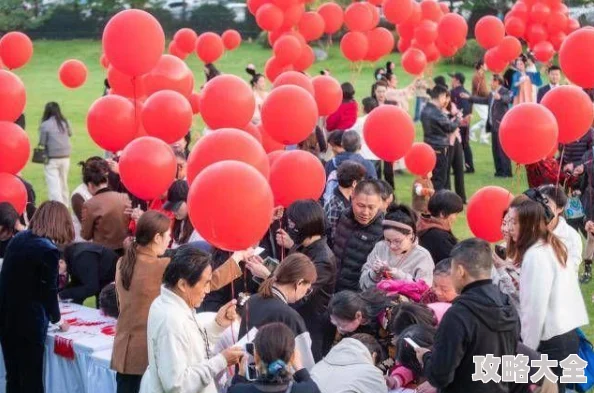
[346, 115]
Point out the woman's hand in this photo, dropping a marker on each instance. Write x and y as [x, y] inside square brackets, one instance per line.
[134, 213]
[227, 314]
[233, 355]
[256, 266]
[64, 326]
[425, 387]
[296, 361]
[113, 166]
[283, 239]
[379, 267]
[277, 213]
[244, 255]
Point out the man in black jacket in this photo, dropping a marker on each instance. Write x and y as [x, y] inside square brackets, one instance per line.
[481, 322]
[358, 229]
[554, 73]
[437, 129]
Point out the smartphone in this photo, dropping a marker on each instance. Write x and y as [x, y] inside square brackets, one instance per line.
[271, 264]
[501, 251]
[411, 343]
[251, 373]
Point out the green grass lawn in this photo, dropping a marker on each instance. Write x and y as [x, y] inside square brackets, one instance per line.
[41, 80]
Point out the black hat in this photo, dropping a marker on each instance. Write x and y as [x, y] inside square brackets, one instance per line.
[458, 76]
[176, 195]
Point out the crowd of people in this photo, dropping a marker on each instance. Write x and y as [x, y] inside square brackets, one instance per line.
[329, 299]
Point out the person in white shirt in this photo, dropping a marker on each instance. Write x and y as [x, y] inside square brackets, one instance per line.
[551, 303]
[179, 340]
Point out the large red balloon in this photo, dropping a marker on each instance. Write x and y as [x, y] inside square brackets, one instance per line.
[227, 144]
[73, 73]
[287, 49]
[12, 96]
[494, 62]
[133, 41]
[254, 131]
[15, 148]
[292, 16]
[557, 22]
[509, 48]
[306, 59]
[375, 16]
[414, 61]
[328, 94]
[295, 175]
[576, 60]
[381, 43]
[103, 60]
[16, 49]
[426, 32]
[268, 143]
[209, 47]
[111, 122]
[445, 49]
[272, 69]
[358, 17]
[254, 5]
[333, 17]
[452, 29]
[185, 40]
[530, 125]
[273, 156]
[294, 78]
[420, 159]
[572, 25]
[311, 26]
[354, 46]
[269, 17]
[125, 85]
[557, 40]
[543, 51]
[195, 102]
[147, 167]
[167, 115]
[175, 51]
[431, 10]
[539, 13]
[536, 33]
[489, 31]
[573, 110]
[515, 26]
[13, 191]
[235, 220]
[221, 109]
[485, 212]
[389, 132]
[397, 11]
[289, 126]
[170, 73]
[231, 39]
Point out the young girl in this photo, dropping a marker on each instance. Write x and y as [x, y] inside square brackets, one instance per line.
[422, 190]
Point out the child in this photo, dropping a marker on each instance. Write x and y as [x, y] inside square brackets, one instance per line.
[422, 190]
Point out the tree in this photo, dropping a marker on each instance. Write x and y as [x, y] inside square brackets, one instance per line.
[212, 17]
[16, 15]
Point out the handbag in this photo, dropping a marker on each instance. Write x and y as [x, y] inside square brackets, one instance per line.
[40, 155]
[574, 208]
[585, 352]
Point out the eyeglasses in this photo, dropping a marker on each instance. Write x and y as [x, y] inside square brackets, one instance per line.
[394, 242]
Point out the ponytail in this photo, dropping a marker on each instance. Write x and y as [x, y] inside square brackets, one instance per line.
[127, 264]
[266, 288]
[293, 269]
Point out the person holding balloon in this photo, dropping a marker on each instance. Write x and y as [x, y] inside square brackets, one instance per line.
[523, 82]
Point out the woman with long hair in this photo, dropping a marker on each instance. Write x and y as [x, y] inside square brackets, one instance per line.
[29, 295]
[80, 195]
[524, 82]
[551, 303]
[259, 86]
[54, 136]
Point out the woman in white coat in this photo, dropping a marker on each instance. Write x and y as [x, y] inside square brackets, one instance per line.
[179, 340]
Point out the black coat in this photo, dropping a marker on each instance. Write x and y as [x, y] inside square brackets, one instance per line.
[541, 92]
[29, 287]
[437, 128]
[302, 384]
[90, 267]
[353, 242]
[438, 242]
[497, 109]
[481, 321]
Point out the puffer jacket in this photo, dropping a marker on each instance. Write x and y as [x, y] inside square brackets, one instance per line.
[352, 244]
[437, 128]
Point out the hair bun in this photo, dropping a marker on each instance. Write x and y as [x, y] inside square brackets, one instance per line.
[276, 367]
[251, 71]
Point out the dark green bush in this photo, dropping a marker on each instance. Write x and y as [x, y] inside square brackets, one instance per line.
[467, 56]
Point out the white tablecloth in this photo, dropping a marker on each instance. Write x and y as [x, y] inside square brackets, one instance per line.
[90, 336]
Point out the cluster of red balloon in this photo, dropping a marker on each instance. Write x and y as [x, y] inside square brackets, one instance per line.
[209, 46]
[427, 30]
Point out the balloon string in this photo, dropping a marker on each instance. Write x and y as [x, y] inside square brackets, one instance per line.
[560, 167]
[517, 180]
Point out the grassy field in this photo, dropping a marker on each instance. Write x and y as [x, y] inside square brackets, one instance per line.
[42, 83]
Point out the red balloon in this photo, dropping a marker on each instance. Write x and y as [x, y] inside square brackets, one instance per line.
[16, 49]
[403, 45]
[494, 62]
[254, 5]
[515, 26]
[426, 32]
[358, 17]
[253, 131]
[520, 10]
[414, 61]
[287, 49]
[420, 159]
[445, 8]
[489, 31]
[398, 11]
[268, 143]
[525, 125]
[231, 39]
[296, 175]
[557, 22]
[452, 29]
[572, 25]
[133, 41]
[354, 46]
[381, 43]
[175, 51]
[269, 17]
[573, 110]
[195, 102]
[209, 47]
[227, 144]
[431, 10]
[235, 220]
[73, 73]
[311, 26]
[374, 13]
[294, 78]
[167, 115]
[111, 122]
[536, 33]
[445, 49]
[306, 59]
[333, 17]
[148, 167]
[557, 40]
[12, 96]
[485, 223]
[15, 147]
[328, 94]
[185, 40]
[284, 4]
[125, 85]
[294, 126]
[292, 16]
[13, 191]
[103, 60]
[406, 30]
[431, 53]
[543, 51]
[539, 13]
[273, 156]
[221, 109]
[272, 69]
[416, 15]
[577, 62]
[389, 132]
[170, 73]
[509, 49]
